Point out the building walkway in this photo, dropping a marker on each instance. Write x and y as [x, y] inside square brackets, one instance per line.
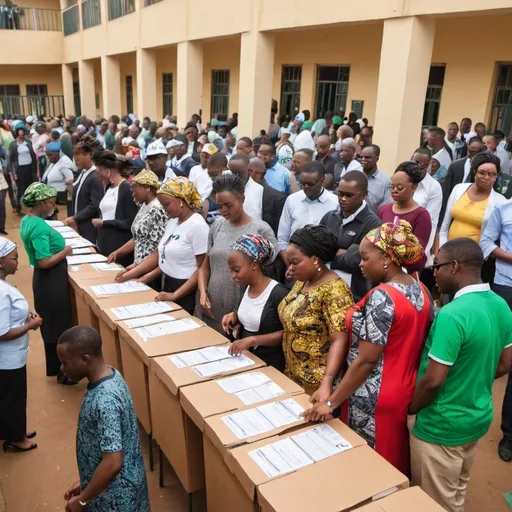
[36, 481]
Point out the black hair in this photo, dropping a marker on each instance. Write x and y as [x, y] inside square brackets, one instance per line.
[147, 119]
[109, 160]
[479, 124]
[218, 159]
[499, 134]
[466, 119]
[475, 139]
[316, 240]
[357, 176]
[191, 124]
[466, 252]
[18, 129]
[374, 147]
[438, 131]
[484, 157]
[424, 151]
[90, 145]
[115, 119]
[82, 340]
[271, 146]
[455, 123]
[247, 140]
[241, 156]
[308, 152]
[307, 115]
[413, 171]
[316, 167]
[228, 183]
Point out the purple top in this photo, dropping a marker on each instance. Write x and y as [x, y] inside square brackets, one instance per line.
[421, 224]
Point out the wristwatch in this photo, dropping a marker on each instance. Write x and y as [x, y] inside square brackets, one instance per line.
[329, 404]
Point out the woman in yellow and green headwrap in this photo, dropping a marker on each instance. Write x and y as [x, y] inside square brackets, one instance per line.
[47, 251]
[182, 249]
[388, 328]
[149, 223]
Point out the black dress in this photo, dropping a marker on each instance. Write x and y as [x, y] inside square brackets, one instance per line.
[115, 233]
[86, 203]
[269, 324]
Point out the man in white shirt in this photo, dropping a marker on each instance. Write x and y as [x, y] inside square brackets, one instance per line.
[253, 202]
[492, 146]
[199, 173]
[307, 206]
[348, 160]
[304, 140]
[436, 141]
[156, 156]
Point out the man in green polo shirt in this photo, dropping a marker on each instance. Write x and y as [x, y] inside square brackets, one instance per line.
[469, 345]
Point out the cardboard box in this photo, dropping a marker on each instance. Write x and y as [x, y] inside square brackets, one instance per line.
[363, 476]
[136, 354]
[232, 480]
[200, 401]
[404, 501]
[178, 437]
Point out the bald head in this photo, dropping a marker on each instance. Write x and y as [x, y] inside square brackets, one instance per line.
[257, 169]
[345, 131]
[323, 144]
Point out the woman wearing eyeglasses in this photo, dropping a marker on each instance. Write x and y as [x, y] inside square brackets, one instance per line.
[403, 184]
[470, 205]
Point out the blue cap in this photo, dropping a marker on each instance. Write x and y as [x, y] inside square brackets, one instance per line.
[53, 146]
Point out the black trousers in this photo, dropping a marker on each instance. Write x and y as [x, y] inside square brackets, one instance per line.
[506, 412]
[13, 404]
[3, 195]
[25, 178]
[12, 197]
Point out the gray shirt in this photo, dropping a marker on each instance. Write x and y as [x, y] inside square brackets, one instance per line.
[378, 190]
[224, 293]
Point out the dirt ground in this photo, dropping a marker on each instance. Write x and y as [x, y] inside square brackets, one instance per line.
[36, 481]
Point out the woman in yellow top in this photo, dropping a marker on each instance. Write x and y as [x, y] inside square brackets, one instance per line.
[470, 204]
[315, 340]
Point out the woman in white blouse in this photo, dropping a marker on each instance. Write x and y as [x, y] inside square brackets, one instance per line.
[15, 323]
[60, 170]
[181, 250]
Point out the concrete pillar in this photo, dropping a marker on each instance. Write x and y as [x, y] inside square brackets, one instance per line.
[67, 87]
[190, 80]
[87, 88]
[146, 83]
[111, 85]
[405, 60]
[256, 76]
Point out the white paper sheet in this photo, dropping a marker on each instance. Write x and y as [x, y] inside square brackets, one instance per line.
[103, 267]
[242, 382]
[174, 327]
[77, 243]
[118, 288]
[141, 310]
[149, 320]
[54, 223]
[70, 234]
[64, 229]
[223, 366]
[199, 356]
[282, 413]
[259, 393]
[82, 259]
[83, 250]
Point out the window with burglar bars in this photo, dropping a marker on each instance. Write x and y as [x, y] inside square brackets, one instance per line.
[331, 88]
[291, 77]
[220, 92]
[433, 96]
[129, 94]
[9, 99]
[167, 93]
[501, 113]
[36, 98]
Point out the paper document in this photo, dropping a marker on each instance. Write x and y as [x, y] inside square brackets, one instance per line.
[223, 366]
[141, 322]
[282, 413]
[77, 243]
[54, 223]
[116, 288]
[242, 382]
[82, 259]
[200, 356]
[64, 229]
[70, 234]
[322, 443]
[176, 326]
[259, 393]
[140, 310]
[102, 267]
[83, 250]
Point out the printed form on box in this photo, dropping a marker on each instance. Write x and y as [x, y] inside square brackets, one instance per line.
[82, 259]
[102, 267]
[174, 327]
[117, 288]
[150, 320]
[140, 310]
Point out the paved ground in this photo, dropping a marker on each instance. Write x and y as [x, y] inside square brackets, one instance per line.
[36, 481]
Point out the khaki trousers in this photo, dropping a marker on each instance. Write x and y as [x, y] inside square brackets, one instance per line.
[442, 471]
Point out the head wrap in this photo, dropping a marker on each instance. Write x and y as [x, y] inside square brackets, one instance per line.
[300, 117]
[182, 188]
[6, 246]
[211, 149]
[256, 247]
[53, 146]
[307, 125]
[174, 143]
[37, 192]
[337, 120]
[316, 241]
[398, 242]
[213, 136]
[148, 178]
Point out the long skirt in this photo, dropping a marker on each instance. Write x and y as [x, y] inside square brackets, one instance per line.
[171, 284]
[13, 404]
[53, 304]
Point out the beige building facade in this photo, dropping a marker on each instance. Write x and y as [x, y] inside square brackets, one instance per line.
[401, 64]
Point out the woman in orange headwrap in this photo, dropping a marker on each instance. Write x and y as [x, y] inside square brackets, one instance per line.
[387, 329]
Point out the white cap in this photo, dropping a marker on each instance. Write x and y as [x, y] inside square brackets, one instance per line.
[126, 141]
[30, 119]
[156, 148]
[300, 118]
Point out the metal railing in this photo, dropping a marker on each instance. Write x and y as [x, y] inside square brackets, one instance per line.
[32, 105]
[151, 2]
[29, 18]
[118, 8]
[91, 13]
[70, 20]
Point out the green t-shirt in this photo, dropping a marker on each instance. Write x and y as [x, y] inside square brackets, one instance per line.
[40, 240]
[469, 335]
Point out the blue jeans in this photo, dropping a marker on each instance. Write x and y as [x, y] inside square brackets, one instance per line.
[506, 413]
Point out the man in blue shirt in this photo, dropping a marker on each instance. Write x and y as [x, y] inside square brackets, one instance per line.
[277, 175]
[109, 456]
[499, 228]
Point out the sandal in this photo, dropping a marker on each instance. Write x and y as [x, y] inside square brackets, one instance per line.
[15, 448]
[31, 435]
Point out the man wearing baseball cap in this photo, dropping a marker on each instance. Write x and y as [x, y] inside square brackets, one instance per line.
[199, 173]
[156, 156]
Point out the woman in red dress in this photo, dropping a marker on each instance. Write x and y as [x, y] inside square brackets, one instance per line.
[388, 330]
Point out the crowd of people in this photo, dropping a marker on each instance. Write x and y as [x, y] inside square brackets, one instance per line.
[386, 296]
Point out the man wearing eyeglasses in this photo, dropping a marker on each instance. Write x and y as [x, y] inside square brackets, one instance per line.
[468, 347]
[349, 223]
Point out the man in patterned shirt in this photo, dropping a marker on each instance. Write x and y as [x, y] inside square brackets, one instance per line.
[109, 456]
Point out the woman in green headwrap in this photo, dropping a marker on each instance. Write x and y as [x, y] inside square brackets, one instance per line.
[47, 251]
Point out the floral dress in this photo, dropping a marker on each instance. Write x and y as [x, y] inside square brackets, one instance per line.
[148, 229]
[308, 318]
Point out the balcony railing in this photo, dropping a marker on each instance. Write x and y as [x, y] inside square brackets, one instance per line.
[32, 105]
[91, 13]
[151, 2]
[29, 18]
[118, 8]
[70, 20]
